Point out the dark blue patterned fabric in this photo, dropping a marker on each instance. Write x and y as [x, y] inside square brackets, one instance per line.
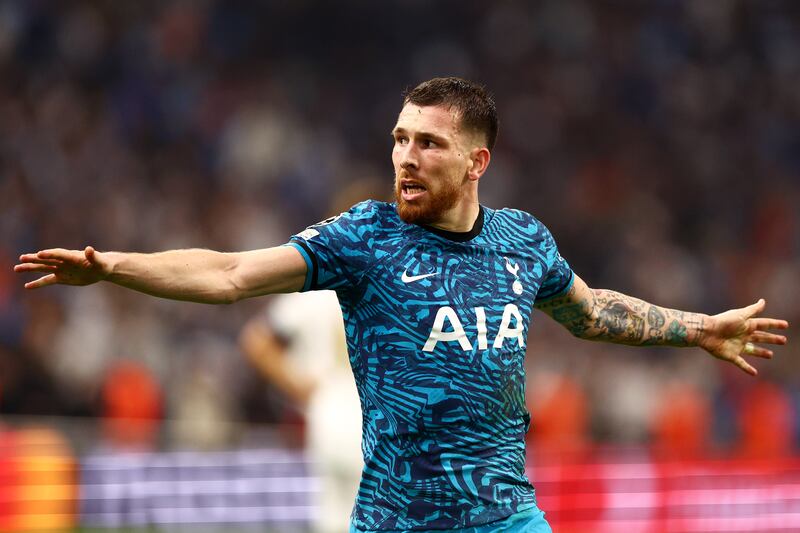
[436, 332]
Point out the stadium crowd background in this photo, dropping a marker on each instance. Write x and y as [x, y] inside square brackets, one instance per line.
[659, 141]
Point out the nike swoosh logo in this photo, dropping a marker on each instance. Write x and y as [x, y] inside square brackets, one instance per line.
[408, 279]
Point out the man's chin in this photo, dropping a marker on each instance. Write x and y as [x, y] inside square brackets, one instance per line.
[428, 208]
[413, 213]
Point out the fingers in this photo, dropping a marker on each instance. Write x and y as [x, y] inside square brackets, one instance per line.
[61, 254]
[744, 365]
[767, 338]
[44, 281]
[738, 360]
[34, 258]
[768, 323]
[35, 267]
[757, 351]
[756, 308]
[56, 257]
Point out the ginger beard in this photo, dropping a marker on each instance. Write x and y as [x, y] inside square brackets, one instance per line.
[431, 206]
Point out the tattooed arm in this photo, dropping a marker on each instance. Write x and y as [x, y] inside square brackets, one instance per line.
[605, 315]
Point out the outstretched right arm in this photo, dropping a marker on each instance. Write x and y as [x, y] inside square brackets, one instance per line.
[194, 275]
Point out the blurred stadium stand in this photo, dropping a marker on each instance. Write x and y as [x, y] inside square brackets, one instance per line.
[658, 141]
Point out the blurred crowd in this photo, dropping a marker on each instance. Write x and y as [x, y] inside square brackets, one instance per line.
[659, 141]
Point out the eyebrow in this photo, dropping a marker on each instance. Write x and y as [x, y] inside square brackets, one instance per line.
[424, 134]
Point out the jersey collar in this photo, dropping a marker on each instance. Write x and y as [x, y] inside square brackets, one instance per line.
[459, 236]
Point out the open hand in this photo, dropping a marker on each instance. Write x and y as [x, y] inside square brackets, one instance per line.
[734, 334]
[68, 267]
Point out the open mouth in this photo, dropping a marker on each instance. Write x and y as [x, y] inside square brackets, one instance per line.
[412, 190]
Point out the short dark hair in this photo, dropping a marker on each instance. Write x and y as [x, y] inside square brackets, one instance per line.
[470, 100]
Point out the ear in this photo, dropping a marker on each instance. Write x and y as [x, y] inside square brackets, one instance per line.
[479, 158]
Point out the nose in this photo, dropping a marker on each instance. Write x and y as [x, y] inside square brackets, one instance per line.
[408, 157]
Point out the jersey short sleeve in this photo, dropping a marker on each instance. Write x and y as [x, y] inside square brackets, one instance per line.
[559, 276]
[337, 250]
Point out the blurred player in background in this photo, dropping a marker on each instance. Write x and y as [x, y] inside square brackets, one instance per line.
[437, 293]
[297, 344]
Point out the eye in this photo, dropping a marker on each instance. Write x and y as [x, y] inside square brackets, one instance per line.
[427, 143]
[401, 140]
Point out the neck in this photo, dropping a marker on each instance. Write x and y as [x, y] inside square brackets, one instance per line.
[461, 217]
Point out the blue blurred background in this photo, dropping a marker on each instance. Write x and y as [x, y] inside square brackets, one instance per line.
[659, 141]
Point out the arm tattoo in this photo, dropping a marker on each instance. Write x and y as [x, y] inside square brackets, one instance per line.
[572, 316]
[614, 317]
[655, 324]
[618, 319]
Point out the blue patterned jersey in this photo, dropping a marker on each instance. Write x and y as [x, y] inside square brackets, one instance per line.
[436, 326]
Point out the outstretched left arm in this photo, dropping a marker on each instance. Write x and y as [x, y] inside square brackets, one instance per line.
[605, 315]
